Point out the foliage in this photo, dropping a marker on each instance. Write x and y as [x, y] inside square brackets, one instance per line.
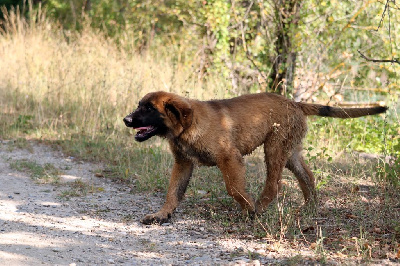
[374, 134]
[338, 29]
[239, 38]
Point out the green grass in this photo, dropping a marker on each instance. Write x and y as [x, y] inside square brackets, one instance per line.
[79, 188]
[43, 174]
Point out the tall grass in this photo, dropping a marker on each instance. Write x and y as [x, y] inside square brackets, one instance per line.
[74, 88]
[82, 80]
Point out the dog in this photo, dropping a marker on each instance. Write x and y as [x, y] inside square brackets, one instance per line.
[220, 132]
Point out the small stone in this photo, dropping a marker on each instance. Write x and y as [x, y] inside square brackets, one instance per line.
[202, 192]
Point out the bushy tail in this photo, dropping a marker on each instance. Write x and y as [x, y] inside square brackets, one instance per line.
[329, 111]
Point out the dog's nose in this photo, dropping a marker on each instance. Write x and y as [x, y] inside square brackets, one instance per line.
[128, 120]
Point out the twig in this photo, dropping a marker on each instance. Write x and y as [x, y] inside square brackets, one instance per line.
[395, 7]
[394, 60]
[244, 18]
[383, 15]
[254, 64]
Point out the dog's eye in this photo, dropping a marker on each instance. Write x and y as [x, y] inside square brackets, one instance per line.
[149, 108]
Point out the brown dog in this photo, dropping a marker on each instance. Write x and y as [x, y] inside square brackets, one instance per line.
[221, 132]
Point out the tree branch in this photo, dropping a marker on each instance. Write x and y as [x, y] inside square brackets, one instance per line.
[394, 60]
[254, 64]
[387, 8]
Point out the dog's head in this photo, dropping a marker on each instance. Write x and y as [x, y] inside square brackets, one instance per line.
[162, 114]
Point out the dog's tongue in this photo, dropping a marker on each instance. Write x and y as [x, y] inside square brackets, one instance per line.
[142, 128]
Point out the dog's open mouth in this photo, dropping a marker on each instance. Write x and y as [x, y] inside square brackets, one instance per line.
[143, 133]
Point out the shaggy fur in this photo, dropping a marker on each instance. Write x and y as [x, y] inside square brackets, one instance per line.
[221, 132]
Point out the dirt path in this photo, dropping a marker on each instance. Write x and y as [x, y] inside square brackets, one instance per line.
[37, 226]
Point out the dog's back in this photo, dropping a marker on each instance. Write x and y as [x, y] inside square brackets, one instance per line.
[248, 121]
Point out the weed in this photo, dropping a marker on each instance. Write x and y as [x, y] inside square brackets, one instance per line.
[79, 188]
[45, 174]
[67, 194]
[23, 123]
[19, 143]
[319, 245]
[295, 260]
[389, 172]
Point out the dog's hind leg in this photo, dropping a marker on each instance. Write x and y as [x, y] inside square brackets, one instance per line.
[303, 174]
[275, 160]
[234, 171]
[181, 173]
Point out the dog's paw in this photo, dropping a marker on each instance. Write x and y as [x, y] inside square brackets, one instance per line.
[260, 207]
[155, 218]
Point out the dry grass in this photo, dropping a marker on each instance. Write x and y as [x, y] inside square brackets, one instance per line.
[357, 218]
[73, 89]
[82, 80]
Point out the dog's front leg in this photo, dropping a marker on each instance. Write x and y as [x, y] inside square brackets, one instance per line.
[233, 171]
[181, 173]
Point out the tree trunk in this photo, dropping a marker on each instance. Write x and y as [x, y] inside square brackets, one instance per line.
[88, 6]
[283, 68]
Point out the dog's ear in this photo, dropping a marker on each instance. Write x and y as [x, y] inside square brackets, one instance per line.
[179, 110]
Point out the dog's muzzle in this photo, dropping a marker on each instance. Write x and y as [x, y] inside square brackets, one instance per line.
[128, 121]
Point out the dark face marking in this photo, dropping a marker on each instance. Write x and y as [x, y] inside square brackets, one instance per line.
[147, 120]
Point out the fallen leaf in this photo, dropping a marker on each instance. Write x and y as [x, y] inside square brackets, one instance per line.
[354, 189]
[313, 245]
[375, 255]
[98, 175]
[364, 199]
[351, 216]
[377, 230]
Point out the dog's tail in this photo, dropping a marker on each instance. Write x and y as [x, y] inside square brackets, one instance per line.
[329, 111]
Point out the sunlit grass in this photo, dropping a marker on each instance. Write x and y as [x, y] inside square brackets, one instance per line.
[82, 82]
